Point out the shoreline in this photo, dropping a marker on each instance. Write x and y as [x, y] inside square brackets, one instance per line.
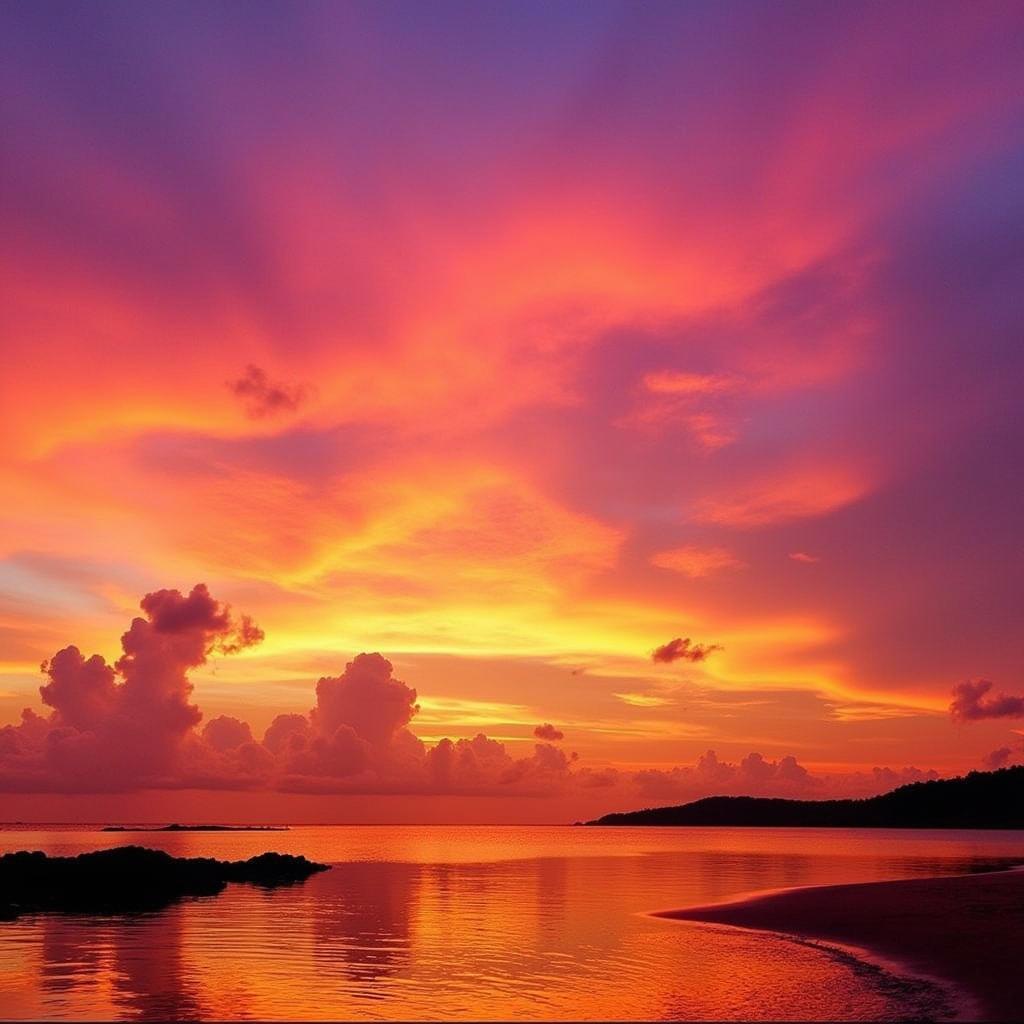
[959, 932]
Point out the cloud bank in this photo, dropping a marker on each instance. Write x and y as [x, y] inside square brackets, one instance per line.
[132, 726]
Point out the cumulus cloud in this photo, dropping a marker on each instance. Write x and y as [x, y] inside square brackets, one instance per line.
[126, 724]
[357, 730]
[858, 784]
[1003, 756]
[483, 765]
[682, 649]
[753, 775]
[365, 697]
[133, 725]
[601, 778]
[225, 733]
[970, 703]
[890, 778]
[548, 732]
[997, 758]
[263, 397]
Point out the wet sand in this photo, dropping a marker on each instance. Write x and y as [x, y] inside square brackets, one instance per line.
[967, 929]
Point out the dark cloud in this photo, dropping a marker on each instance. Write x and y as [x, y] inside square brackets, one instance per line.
[970, 704]
[682, 649]
[548, 732]
[262, 396]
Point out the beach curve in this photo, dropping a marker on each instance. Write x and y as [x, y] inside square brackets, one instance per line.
[961, 930]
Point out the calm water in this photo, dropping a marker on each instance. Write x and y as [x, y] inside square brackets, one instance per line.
[477, 922]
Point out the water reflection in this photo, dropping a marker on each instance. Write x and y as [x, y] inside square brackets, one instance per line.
[135, 962]
[548, 936]
[362, 922]
[152, 981]
[73, 954]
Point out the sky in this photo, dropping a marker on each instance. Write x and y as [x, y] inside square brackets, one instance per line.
[506, 412]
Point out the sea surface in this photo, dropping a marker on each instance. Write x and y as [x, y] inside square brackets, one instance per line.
[482, 923]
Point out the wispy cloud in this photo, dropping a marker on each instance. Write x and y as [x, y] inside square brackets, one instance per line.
[683, 649]
[696, 562]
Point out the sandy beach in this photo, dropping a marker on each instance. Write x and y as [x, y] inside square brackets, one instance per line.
[967, 929]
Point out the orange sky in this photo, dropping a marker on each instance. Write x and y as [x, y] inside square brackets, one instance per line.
[513, 349]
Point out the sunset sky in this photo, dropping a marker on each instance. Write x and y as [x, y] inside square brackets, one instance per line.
[514, 342]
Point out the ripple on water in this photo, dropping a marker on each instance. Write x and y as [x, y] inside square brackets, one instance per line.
[555, 935]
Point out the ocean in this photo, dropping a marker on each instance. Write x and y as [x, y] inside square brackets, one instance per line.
[480, 923]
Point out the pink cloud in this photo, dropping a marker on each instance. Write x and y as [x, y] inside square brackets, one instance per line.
[483, 765]
[997, 758]
[125, 725]
[548, 732]
[802, 556]
[696, 562]
[671, 382]
[753, 775]
[969, 703]
[366, 697]
[133, 726]
[802, 493]
[225, 733]
[356, 734]
[286, 732]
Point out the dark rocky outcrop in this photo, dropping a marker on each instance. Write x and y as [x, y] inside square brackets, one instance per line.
[131, 879]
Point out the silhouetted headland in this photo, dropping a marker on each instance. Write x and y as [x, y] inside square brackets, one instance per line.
[977, 800]
[195, 828]
[131, 879]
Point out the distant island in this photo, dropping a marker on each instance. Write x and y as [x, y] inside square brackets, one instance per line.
[131, 879]
[989, 800]
[195, 828]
